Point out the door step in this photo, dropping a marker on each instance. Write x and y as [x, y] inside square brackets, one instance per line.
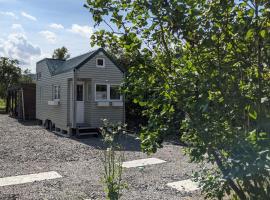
[61, 134]
[83, 131]
[87, 133]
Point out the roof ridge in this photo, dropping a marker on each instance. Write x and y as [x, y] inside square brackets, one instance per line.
[81, 55]
[55, 59]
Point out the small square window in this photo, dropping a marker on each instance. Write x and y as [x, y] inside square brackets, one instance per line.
[100, 62]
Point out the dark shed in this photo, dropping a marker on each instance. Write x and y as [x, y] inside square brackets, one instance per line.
[21, 101]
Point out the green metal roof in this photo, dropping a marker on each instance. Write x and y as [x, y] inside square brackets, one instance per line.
[57, 66]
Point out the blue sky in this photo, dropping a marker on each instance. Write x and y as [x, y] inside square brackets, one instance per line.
[31, 29]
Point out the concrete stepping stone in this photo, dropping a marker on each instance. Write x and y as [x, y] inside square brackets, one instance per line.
[142, 162]
[15, 180]
[185, 185]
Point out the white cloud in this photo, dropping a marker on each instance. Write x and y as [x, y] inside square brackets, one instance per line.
[28, 16]
[10, 14]
[17, 27]
[17, 46]
[50, 36]
[84, 31]
[56, 26]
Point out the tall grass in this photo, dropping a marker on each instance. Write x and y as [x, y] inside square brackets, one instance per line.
[113, 159]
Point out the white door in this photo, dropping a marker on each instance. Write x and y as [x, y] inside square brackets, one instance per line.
[80, 103]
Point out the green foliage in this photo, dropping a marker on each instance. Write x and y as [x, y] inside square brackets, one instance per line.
[2, 104]
[112, 162]
[26, 76]
[134, 112]
[61, 53]
[203, 72]
[10, 74]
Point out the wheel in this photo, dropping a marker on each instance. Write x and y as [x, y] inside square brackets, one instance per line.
[46, 124]
[50, 126]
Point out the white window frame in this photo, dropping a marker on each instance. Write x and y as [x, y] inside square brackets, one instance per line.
[58, 96]
[89, 91]
[108, 93]
[100, 66]
[81, 83]
[96, 92]
[38, 76]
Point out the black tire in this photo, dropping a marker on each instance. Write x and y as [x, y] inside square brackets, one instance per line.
[46, 124]
[50, 125]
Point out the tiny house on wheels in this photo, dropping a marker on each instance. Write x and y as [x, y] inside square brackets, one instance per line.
[75, 110]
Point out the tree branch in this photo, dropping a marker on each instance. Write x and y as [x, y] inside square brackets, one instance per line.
[224, 171]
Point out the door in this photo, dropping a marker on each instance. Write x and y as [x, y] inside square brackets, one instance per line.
[80, 103]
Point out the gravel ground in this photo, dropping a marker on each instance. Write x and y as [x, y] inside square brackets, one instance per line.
[28, 148]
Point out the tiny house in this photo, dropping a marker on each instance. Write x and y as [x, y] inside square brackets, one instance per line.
[74, 95]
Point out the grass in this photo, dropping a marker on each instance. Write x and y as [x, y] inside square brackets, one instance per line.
[2, 106]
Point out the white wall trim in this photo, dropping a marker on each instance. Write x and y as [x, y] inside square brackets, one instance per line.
[121, 97]
[83, 84]
[100, 66]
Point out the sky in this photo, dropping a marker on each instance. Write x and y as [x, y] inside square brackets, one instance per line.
[31, 29]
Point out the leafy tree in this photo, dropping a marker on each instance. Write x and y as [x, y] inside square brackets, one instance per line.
[209, 60]
[10, 74]
[26, 77]
[61, 53]
[134, 112]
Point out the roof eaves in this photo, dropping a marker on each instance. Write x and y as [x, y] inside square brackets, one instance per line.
[53, 72]
[122, 69]
[96, 52]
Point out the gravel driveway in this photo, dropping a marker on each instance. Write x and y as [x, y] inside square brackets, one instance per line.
[28, 148]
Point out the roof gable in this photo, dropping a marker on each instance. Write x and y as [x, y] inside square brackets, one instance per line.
[57, 66]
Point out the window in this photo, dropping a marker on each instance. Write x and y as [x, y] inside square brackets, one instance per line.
[79, 92]
[115, 92]
[101, 92]
[56, 92]
[107, 92]
[38, 76]
[100, 62]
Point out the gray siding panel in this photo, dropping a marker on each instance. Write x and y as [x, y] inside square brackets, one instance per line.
[57, 114]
